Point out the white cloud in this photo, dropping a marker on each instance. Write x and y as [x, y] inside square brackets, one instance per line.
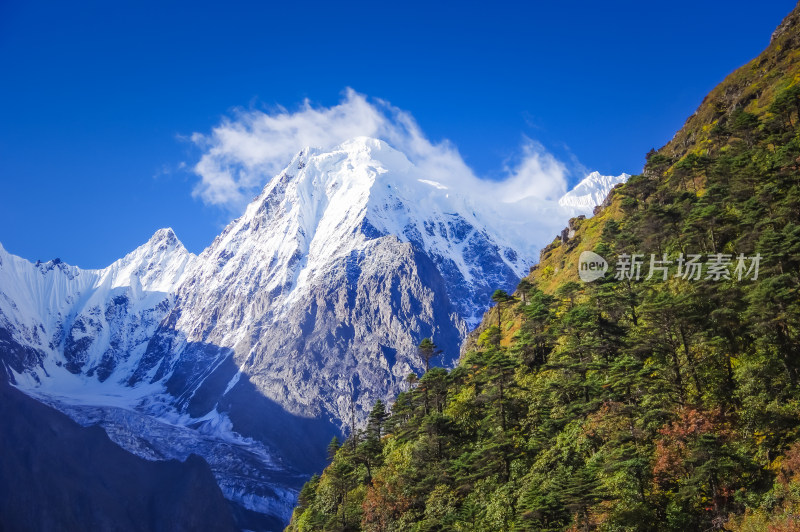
[538, 174]
[243, 152]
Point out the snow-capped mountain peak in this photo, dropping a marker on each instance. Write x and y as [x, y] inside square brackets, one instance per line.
[90, 321]
[590, 192]
[157, 265]
[329, 204]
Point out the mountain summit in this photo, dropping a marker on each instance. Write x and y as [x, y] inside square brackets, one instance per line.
[590, 192]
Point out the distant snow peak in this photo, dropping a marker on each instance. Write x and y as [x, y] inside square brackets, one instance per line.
[590, 192]
[156, 265]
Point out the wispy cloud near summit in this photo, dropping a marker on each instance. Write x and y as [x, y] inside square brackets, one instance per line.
[247, 149]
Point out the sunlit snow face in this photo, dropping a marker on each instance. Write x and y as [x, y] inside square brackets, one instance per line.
[527, 207]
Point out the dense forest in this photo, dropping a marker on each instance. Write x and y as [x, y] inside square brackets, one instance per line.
[661, 399]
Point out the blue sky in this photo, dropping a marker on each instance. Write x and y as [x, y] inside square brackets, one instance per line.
[99, 101]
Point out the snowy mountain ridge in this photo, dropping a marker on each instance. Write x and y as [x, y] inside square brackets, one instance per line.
[591, 191]
[76, 316]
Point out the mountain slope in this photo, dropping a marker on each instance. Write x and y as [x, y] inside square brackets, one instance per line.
[83, 480]
[626, 403]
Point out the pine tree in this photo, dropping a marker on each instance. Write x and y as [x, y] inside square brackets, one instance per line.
[427, 351]
[333, 447]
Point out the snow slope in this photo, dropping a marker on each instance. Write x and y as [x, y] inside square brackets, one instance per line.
[590, 192]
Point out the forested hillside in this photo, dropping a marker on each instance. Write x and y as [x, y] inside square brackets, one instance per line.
[663, 399]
